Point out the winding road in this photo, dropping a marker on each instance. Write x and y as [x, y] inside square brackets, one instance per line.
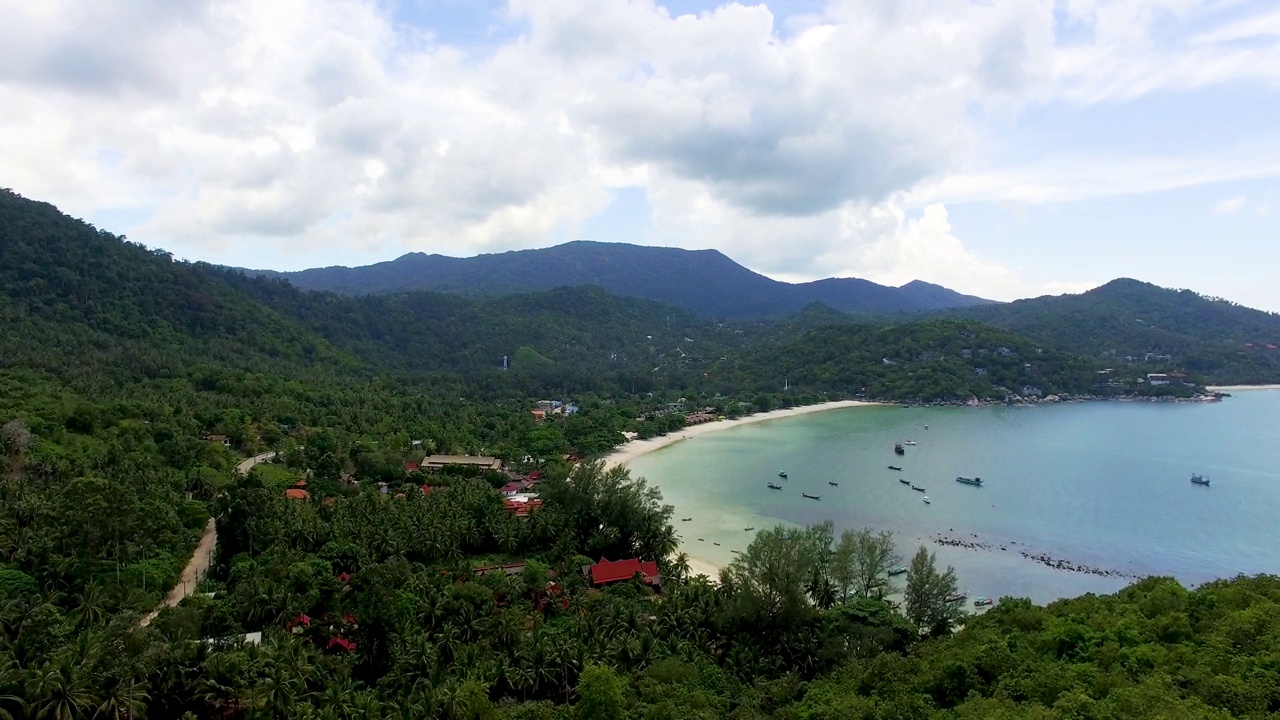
[203, 556]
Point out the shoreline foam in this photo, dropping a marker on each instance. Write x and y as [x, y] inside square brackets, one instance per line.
[1240, 388]
[639, 448]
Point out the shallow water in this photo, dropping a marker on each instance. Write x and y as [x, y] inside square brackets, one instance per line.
[1105, 485]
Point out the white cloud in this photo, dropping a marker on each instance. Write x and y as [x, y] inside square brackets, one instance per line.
[309, 127]
[1230, 205]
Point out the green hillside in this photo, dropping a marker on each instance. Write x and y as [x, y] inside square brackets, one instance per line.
[131, 385]
[1128, 322]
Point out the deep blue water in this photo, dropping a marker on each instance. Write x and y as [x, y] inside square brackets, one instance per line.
[1098, 484]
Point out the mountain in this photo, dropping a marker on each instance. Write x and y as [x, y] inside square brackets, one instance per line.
[704, 281]
[1129, 321]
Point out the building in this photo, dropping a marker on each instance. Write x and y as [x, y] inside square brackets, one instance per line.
[222, 440]
[297, 494]
[607, 573]
[1155, 379]
[435, 463]
[521, 505]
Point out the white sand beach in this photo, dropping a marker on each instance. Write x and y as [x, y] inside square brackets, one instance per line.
[637, 448]
[1240, 388]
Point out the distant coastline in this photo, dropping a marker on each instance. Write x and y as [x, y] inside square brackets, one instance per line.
[639, 448]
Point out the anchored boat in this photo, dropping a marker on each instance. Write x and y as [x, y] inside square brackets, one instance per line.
[1199, 479]
[775, 486]
[782, 474]
[895, 467]
[897, 448]
[969, 480]
[812, 497]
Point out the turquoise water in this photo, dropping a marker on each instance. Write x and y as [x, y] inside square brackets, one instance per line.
[1104, 485]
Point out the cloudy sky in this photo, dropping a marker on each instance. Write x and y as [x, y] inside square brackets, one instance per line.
[1007, 148]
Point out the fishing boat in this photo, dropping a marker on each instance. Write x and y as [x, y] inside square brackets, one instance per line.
[917, 488]
[716, 544]
[909, 442]
[1199, 479]
[926, 499]
[812, 497]
[904, 481]
[775, 486]
[736, 552]
[782, 474]
[701, 540]
[895, 467]
[897, 448]
[969, 480]
[833, 483]
[898, 570]
[958, 597]
[749, 529]
[983, 601]
[685, 519]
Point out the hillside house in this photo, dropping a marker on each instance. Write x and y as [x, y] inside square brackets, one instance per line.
[606, 572]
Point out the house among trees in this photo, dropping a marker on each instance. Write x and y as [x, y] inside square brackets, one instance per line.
[606, 572]
[221, 439]
[436, 463]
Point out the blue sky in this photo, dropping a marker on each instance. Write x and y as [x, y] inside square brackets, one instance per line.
[1007, 149]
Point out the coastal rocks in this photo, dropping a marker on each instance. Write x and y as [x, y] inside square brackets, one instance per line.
[1042, 558]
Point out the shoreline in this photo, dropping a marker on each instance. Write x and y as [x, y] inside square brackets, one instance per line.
[1240, 388]
[639, 448]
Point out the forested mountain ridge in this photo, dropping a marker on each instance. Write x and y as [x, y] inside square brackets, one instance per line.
[1129, 321]
[704, 281]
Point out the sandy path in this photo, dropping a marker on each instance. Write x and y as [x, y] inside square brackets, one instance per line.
[195, 570]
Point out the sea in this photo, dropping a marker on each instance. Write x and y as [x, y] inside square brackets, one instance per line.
[1075, 497]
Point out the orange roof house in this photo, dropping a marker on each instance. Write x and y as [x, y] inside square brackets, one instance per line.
[606, 572]
[296, 494]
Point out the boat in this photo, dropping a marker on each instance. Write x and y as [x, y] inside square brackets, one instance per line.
[775, 486]
[897, 447]
[701, 540]
[782, 474]
[926, 499]
[904, 481]
[685, 519]
[958, 597]
[749, 529]
[908, 442]
[833, 483]
[917, 488]
[736, 552]
[716, 544]
[983, 601]
[895, 467]
[1199, 479]
[812, 497]
[898, 570]
[969, 480]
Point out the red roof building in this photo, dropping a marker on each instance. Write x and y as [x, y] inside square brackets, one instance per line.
[411, 466]
[341, 643]
[296, 494]
[521, 509]
[605, 572]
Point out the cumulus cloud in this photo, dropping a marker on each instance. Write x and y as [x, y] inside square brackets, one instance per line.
[309, 127]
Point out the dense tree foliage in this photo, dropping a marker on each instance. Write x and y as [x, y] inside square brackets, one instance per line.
[131, 385]
[1137, 327]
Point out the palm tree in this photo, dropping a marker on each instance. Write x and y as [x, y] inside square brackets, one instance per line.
[59, 691]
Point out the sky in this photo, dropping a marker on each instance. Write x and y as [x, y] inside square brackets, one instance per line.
[1004, 148]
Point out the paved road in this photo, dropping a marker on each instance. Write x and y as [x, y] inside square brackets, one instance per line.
[203, 556]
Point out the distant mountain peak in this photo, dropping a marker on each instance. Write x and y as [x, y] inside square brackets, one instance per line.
[705, 281]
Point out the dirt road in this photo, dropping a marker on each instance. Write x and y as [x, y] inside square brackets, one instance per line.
[203, 556]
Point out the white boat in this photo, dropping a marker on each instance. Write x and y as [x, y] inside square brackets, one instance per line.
[926, 499]
[908, 442]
